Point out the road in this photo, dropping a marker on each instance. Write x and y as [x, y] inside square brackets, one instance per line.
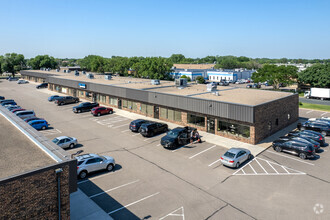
[150, 182]
[314, 101]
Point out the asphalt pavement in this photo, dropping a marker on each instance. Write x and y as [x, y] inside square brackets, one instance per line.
[314, 101]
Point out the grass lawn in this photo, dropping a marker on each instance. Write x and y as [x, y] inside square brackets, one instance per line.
[315, 107]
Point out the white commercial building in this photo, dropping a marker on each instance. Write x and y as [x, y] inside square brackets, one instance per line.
[233, 75]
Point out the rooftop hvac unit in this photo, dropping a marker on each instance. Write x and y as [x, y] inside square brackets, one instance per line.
[83, 72]
[155, 82]
[182, 82]
[107, 77]
[90, 76]
[211, 87]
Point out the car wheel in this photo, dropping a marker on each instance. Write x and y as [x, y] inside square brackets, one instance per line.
[77, 101]
[83, 174]
[302, 128]
[278, 149]
[71, 145]
[43, 127]
[110, 112]
[302, 156]
[79, 111]
[61, 103]
[237, 165]
[110, 167]
[250, 157]
[324, 133]
[99, 114]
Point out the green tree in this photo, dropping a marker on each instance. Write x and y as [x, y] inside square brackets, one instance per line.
[186, 77]
[12, 63]
[228, 62]
[200, 80]
[93, 63]
[1, 60]
[177, 58]
[276, 74]
[317, 75]
[153, 68]
[42, 61]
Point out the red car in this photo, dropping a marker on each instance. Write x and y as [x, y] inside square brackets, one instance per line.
[97, 111]
[18, 109]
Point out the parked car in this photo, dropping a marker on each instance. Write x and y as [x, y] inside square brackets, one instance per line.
[6, 100]
[84, 107]
[17, 110]
[302, 139]
[249, 86]
[88, 163]
[54, 97]
[13, 79]
[66, 100]
[25, 114]
[98, 111]
[39, 124]
[152, 128]
[256, 86]
[176, 137]
[65, 142]
[11, 107]
[301, 149]
[32, 119]
[234, 157]
[136, 124]
[2, 98]
[323, 128]
[42, 85]
[310, 135]
[8, 103]
[22, 81]
[223, 83]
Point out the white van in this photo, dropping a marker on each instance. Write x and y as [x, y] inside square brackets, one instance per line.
[25, 114]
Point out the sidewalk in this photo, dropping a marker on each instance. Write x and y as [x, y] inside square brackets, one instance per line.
[83, 208]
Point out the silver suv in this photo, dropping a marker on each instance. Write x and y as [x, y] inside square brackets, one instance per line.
[88, 163]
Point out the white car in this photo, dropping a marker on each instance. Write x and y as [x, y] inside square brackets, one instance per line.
[88, 163]
[22, 81]
[65, 142]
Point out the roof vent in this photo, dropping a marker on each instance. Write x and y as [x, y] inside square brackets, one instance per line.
[211, 87]
[155, 82]
[107, 77]
[181, 82]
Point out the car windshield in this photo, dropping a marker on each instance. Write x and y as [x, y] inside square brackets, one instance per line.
[55, 140]
[172, 134]
[230, 155]
[80, 162]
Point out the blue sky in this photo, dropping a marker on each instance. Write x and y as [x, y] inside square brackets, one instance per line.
[265, 28]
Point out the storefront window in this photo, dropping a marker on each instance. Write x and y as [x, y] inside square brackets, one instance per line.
[234, 129]
[100, 98]
[170, 114]
[113, 101]
[196, 120]
[124, 103]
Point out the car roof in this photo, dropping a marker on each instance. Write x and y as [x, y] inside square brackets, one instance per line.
[61, 137]
[236, 150]
[139, 120]
[37, 120]
[178, 129]
[24, 111]
[86, 156]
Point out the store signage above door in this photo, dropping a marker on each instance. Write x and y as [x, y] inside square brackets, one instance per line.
[82, 85]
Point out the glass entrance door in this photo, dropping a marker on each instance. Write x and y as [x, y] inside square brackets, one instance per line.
[211, 125]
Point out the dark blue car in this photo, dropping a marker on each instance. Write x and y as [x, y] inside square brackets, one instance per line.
[39, 124]
[9, 103]
[53, 98]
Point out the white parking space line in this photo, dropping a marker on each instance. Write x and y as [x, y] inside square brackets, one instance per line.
[114, 188]
[290, 158]
[214, 162]
[158, 145]
[309, 111]
[175, 214]
[262, 167]
[121, 126]
[135, 134]
[140, 200]
[252, 169]
[125, 131]
[324, 113]
[271, 166]
[178, 149]
[202, 151]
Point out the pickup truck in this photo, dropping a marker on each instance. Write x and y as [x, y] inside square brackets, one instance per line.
[66, 100]
[179, 136]
[84, 107]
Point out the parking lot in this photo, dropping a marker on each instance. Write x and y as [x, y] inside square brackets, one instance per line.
[150, 182]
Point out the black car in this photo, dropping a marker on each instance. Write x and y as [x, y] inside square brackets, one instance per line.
[310, 135]
[136, 124]
[176, 137]
[2, 98]
[303, 150]
[84, 107]
[152, 128]
[66, 100]
[322, 127]
[302, 139]
[13, 79]
[42, 85]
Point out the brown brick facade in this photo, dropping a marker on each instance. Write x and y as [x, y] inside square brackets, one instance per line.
[34, 195]
[274, 116]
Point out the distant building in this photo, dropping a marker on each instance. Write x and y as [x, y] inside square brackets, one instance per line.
[229, 74]
[191, 73]
[71, 68]
[300, 66]
[194, 66]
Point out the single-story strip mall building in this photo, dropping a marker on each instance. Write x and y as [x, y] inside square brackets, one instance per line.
[247, 115]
